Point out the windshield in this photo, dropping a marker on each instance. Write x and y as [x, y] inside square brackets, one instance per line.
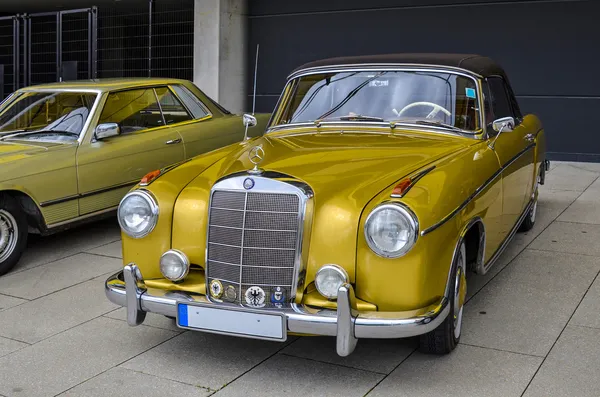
[50, 113]
[427, 97]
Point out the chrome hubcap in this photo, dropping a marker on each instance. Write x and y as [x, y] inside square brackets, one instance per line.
[9, 232]
[458, 281]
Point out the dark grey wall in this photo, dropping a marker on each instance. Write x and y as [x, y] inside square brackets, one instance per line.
[550, 49]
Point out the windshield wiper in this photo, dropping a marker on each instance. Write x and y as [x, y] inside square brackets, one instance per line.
[436, 123]
[356, 117]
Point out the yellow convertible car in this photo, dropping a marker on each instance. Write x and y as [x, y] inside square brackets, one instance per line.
[380, 182]
[70, 151]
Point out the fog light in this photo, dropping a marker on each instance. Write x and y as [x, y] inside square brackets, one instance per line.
[174, 265]
[329, 279]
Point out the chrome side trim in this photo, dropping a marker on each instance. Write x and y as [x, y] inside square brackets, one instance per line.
[87, 194]
[414, 179]
[477, 191]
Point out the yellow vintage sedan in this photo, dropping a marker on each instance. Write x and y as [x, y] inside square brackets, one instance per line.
[69, 152]
[380, 182]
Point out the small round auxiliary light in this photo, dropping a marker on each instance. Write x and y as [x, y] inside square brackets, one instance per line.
[174, 265]
[329, 279]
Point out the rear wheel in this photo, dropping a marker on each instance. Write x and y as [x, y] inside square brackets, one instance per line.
[445, 337]
[13, 233]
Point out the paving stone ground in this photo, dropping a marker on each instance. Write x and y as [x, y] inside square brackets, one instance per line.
[531, 325]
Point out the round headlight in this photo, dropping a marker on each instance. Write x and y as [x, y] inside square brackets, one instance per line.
[329, 279]
[174, 265]
[391, 230]
[138, 213]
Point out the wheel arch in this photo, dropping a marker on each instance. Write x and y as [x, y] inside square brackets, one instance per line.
[473, 235]
[35, 218]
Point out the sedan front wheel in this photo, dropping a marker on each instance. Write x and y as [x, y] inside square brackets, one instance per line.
[13, 233]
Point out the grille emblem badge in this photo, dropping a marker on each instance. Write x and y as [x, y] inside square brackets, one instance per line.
[216, 289]
[255, 296]
[277, 295]
[230, 294]
[248, 183]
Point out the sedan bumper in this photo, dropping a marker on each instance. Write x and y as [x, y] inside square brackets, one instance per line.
[346, 323]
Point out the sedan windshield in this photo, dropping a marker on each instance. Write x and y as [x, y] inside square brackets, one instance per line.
[48, 113]
[431, 98]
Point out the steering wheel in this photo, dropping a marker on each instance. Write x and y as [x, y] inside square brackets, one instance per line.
[432, 114]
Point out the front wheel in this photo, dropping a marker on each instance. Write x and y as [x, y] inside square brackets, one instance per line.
[13, 233]
[446, 336]
[529, 220]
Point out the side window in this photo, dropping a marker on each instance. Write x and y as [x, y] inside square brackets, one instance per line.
[500, 102]
[133, 110]
[191, 101]
[173, 110]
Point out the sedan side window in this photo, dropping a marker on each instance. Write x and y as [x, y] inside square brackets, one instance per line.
[191, 101]
[172, 109]
[133, 110]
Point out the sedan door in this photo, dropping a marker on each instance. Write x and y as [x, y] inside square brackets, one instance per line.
[201, 131]
[108, 168]
[515, 151]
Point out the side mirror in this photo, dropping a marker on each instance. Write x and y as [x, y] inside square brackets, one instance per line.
[249, 120]
[500, 125]
[504, 124]
[106, 130]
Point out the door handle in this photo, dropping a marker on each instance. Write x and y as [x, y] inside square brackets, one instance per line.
[173, 141]
[529, 137]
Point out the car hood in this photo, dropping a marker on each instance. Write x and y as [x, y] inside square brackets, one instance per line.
[12, 151]
[355, 166]
[345, 171]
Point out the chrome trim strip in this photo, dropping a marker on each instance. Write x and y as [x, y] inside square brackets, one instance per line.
[414, 179]
[508, 238]
[345, 322]
[91, 193]
[79, 218]
[476, 192]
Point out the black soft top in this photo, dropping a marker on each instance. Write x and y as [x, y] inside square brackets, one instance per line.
[474, 63]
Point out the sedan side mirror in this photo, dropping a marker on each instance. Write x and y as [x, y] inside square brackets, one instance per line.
[504, 124]
[249, 120]
[106, 130]
[500, 125]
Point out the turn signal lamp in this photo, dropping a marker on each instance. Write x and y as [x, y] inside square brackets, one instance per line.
[402, 187]
[149, 177]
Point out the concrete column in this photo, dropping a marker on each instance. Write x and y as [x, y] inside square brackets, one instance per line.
[220, 51]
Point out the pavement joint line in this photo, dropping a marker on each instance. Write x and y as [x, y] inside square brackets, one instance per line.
[59, 290]
[392, 371]
[334, 364]
[59, 259]
[16, 297]
[584, 326]
[258, 364]
[118, 364]
[102, 255]
[180, 330]
[171, 380]
[528, 244]
[561, 332]
[501, 350]
[563, 252]
[15, 340]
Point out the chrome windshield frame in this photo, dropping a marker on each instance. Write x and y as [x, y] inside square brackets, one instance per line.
[478, 134]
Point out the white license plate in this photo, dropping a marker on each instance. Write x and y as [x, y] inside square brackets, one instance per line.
[232, 321]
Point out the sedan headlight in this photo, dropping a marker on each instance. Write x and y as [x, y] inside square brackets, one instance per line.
[138, 213]
[391, 230]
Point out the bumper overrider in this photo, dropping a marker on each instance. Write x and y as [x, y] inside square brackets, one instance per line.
[347, 324]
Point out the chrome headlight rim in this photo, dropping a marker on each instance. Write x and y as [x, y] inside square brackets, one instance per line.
[184, 259]
[338, 269]
[154, 209]
[412, 220]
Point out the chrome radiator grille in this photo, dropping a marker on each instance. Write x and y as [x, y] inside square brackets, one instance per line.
[253, 241]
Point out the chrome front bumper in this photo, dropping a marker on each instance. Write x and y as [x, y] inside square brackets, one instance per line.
[346, 323]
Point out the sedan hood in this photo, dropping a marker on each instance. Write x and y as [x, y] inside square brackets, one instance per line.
[10, 151]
